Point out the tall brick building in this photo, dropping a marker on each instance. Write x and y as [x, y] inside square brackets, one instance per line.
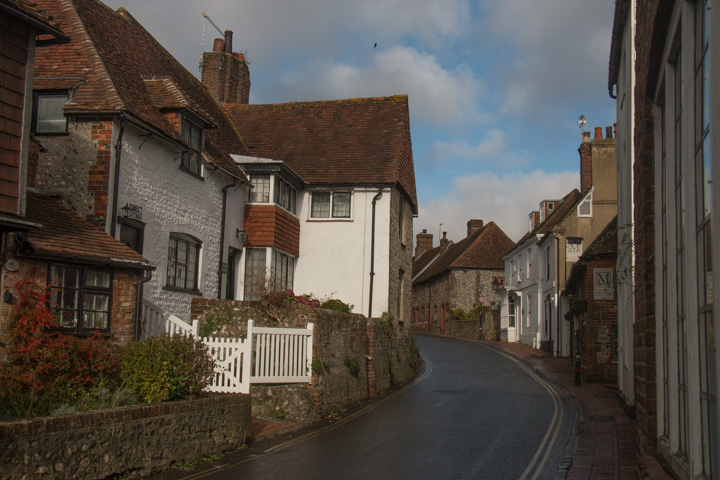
[663, 72]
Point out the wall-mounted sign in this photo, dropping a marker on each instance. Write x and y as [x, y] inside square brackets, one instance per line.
[132, 211]
[603, 284]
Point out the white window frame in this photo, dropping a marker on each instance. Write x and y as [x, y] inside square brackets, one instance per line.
[331, 213]
[50, 125]
[587, 201]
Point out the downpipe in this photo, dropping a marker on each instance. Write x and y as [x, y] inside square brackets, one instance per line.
[116, 180]
[222, 234]
[372, 252]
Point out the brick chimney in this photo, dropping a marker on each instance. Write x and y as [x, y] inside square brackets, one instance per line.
[444, 242]
[225, 73]
[424, 243]
[586, 160]
[473, 226]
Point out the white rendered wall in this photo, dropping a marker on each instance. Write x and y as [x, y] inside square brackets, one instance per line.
[334, 256]
[174, 201]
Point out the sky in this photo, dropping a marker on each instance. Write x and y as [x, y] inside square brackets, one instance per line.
[495, 87]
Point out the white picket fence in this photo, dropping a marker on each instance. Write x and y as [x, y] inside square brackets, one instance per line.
[267, 355]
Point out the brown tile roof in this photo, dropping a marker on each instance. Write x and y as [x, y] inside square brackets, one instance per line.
[482, 249]
[29, 13]
[65, 235]
[359, 141]
[109, 60]
[566, 204]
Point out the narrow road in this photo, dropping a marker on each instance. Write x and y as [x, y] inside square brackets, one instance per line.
[472, 413]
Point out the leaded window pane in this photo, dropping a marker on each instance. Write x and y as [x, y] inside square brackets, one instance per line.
[341, 204]
[260, 192]
[320, 205]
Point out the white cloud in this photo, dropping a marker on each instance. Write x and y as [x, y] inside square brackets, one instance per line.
[438, 96]
[507, 200]
[489, 149]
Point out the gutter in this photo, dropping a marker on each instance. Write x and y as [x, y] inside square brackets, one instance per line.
[222, 234]
[372, 251]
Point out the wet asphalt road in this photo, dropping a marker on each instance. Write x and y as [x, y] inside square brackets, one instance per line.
[472, 413]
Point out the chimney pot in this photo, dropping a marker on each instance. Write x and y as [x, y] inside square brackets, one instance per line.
[586, 137]
[239, 56]
[598, 133]
[608, 132]
[228, 41]
[219, 45]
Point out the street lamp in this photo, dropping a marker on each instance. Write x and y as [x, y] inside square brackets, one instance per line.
[497, 283]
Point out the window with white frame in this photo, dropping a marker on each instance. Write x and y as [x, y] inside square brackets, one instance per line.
[191, 160]
[260, 190]
[285, 195]
[511, 311]
[183, 262]
[585, 207]
[81, 297]
[48, 116]
[687, 353]
[255, 273]
[330, 204]
[282, 271]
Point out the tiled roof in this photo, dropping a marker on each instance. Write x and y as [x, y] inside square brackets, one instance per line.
[109, 60]
[561, 210]
[65, 235]
[482, 249]
[30, 13]
[426, 258]
[360, 141]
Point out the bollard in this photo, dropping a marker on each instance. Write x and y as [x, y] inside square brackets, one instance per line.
[577, 369]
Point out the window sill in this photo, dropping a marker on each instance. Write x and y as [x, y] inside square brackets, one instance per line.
[170, 288]
[320, 220]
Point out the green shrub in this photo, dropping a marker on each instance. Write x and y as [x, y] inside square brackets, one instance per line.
[167, 368]
[337, 305]
[352, 365]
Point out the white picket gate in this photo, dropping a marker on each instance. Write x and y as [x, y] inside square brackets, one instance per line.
[267, 355]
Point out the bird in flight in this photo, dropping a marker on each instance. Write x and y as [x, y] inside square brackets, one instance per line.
[375, 45]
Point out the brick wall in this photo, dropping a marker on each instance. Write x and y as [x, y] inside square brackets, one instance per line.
[652, 18]
[271, 226]
[14, 38]
[600, 320]
[122, 322]
[107, 443]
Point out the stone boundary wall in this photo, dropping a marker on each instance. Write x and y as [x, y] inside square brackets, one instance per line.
[353, 358]
[141, 439]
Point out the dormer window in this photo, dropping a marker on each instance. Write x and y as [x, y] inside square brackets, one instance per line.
[193, 135]
[48, 117]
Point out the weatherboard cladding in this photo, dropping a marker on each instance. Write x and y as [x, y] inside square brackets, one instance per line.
[116, 57]
[482, 249]
[360, 141]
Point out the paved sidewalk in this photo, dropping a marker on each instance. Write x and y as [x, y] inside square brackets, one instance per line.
[606, 442]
